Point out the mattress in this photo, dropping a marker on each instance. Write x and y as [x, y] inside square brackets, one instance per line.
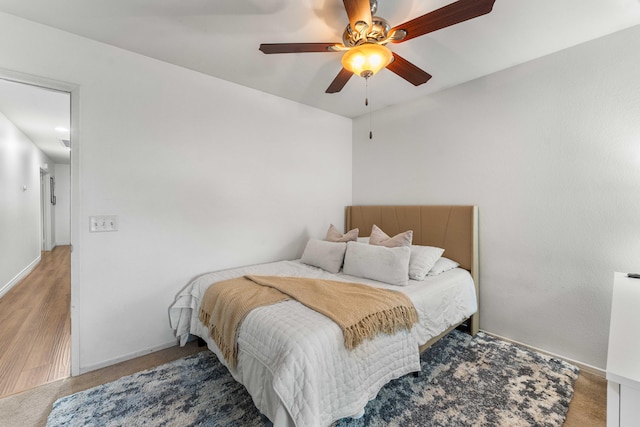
[292, 360]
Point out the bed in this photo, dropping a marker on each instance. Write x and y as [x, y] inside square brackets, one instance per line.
[292, 360]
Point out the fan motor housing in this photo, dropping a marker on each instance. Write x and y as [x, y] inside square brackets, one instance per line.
[378, 33]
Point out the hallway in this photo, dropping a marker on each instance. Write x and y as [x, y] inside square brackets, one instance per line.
[35, 326]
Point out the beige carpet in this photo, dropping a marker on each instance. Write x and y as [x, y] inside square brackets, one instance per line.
[31, 408]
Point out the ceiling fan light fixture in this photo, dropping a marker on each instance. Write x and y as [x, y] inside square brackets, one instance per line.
[366, 59]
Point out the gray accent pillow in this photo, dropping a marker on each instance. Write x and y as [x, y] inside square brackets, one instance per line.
[442, 265]
[325, 255]
[388, 265]
[423, 258]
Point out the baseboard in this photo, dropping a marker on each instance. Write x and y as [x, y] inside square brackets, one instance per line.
[583, 366]
[144, 352]
[24, 273]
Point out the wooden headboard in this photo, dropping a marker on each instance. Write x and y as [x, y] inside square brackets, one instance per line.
[453, 228]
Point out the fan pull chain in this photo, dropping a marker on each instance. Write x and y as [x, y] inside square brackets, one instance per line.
[366, 103]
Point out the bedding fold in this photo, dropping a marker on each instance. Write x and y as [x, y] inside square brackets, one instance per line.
[361, 311]
[225, 305]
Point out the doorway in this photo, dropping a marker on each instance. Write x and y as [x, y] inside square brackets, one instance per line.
[45, 211]
[53, 212]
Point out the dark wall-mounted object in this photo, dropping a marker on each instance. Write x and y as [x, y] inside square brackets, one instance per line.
[53, 193]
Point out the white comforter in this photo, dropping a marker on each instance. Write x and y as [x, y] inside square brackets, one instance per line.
[292, 360]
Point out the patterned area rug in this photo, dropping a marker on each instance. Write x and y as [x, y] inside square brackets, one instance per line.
[465, 381]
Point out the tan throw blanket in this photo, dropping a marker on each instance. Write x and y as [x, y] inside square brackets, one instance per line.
[361, 311]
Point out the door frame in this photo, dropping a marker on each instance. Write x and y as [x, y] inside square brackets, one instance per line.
[45, 211]
[76, 245]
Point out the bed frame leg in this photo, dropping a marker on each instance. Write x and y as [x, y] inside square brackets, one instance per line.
[474, 324]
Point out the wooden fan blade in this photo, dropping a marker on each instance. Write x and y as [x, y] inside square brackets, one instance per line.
[358, 10]
[338, 83]
[295, 47]
[408, 71]
[446, 16]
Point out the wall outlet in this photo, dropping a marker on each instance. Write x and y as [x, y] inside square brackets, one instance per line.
[103, 223]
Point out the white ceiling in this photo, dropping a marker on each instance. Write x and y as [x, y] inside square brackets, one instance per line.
[37, 112]
[221, 38]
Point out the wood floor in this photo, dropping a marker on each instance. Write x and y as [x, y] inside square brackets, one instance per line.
[34, 349]
[589, 404]
[35, 326]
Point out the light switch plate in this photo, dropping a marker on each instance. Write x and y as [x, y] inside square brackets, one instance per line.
[103, 223]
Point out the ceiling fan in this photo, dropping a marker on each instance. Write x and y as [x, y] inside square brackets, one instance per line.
[365, 38]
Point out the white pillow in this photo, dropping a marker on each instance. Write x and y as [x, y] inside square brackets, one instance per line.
[363, 240]
[389, 265]
[325, 255]
[442, 265]
[422, 260]
[379, 237]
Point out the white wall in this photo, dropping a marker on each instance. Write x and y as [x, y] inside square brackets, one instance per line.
[550, 152]
[203, 175]
[62, 207]
[20, 227]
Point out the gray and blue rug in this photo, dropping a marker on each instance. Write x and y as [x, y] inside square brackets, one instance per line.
[465, 381]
